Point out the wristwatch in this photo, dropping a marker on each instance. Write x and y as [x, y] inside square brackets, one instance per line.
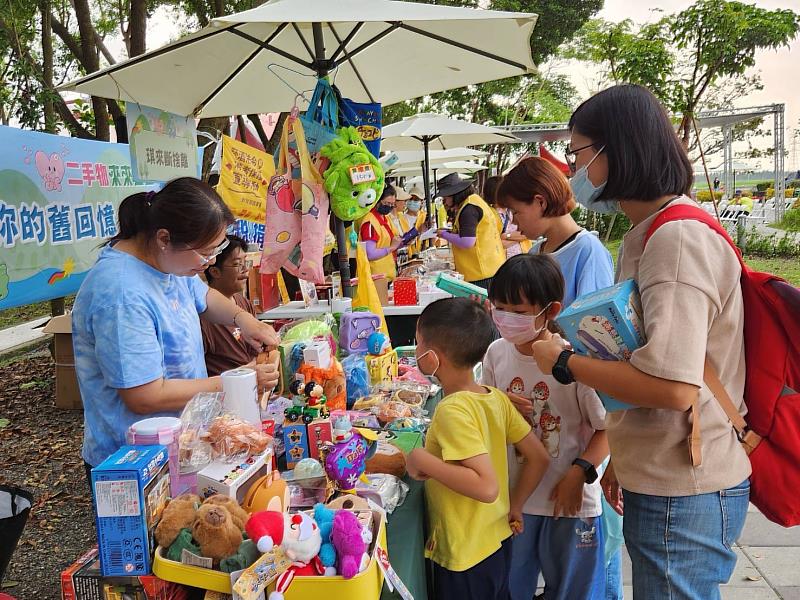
[589, 472]
[561, 371]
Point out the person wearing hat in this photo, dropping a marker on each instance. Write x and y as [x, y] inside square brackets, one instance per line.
[398, 218]
[416, 214]
[475, 238]
[380, 236]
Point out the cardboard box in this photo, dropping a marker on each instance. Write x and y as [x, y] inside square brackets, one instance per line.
[382, 367]
[68, 395]
[295, 439]
[233, 479]
[606, 324]
[319, 432]
[83, 581]
[131, 489]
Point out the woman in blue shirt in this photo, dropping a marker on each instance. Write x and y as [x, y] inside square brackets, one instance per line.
[540, 199]
[135, 323]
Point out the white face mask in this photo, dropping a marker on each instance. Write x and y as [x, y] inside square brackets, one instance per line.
[433, 374]
[517, 328]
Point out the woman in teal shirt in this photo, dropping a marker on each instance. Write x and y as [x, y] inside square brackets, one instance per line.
[135, 323]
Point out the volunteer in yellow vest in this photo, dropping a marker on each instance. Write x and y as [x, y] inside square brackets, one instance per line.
[397, 218]
[380, 237]
[475, 239]
[416, 214]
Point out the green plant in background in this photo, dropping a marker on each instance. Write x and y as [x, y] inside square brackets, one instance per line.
[790, 221]
[771, 245]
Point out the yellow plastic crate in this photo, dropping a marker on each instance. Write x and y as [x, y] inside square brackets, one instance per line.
[364, 586]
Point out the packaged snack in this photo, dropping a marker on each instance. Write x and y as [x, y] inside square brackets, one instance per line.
[233, 439]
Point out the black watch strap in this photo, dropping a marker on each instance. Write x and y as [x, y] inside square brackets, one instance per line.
[589, 470]
[561, 371]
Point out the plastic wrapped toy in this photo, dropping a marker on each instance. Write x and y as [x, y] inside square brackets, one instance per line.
[356, 377]
[233, 439]
[346, 459]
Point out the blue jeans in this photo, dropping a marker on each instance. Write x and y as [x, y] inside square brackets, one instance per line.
[614, 589]
[681, 547]
[568, 552]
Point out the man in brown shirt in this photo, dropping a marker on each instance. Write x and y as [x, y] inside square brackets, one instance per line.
[224, 347]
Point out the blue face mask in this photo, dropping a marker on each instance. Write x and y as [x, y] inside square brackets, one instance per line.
[586, 193]
[413, 205]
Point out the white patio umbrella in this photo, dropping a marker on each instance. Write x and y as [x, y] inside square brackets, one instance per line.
[439, 132]
[249, 62]
[406, 158]
[258, 60]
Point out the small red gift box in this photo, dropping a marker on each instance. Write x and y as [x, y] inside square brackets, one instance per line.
[405, 291]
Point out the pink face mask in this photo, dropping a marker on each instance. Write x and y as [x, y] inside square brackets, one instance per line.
[517, 328]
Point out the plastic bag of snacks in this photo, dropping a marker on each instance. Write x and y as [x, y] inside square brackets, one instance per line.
[233, 439]
[198, 414]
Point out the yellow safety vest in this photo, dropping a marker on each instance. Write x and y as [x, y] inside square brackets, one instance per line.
[385, 264]
[485, 257]
[415, 247]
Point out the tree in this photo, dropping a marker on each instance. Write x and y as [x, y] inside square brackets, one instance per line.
[687, 58]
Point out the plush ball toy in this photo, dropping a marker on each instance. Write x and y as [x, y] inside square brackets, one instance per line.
[324, 518]
[378, 343]
[349, 540]
[354, 180]
[299, 537]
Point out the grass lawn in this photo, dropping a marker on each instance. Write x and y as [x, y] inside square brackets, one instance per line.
[23, 314]
[788, 268]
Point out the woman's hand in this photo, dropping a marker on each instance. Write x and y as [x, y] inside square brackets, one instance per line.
[256, 333]
[396, 243]
[267, 376]
[567, 496]
[612, 490]
[546, 351]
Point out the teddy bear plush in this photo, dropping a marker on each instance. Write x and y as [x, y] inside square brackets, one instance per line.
[354, 180]
[215, 532]
[179, 514]
[238, 514]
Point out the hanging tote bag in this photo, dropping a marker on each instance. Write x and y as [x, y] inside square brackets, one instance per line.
[366, 117]
[282, 225]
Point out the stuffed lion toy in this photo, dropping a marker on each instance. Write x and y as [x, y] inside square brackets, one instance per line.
[354, 180]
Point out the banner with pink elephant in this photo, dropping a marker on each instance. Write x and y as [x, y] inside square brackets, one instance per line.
[58, 203]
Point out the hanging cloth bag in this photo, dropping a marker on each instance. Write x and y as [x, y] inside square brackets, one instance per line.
[366, 117]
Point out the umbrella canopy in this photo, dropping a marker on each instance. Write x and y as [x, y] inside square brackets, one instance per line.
[440, 133]
[458, 166]
[437, 157]
[253, 61]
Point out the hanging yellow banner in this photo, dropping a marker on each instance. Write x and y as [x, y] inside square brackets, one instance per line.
[243, 179]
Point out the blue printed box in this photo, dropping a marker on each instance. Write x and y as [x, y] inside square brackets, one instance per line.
[606, 324]
[131, 489]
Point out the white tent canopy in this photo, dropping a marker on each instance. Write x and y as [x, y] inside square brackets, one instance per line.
[377, 50]
[437, 157]
[458, 166]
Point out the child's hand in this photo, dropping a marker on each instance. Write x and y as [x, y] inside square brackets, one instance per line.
[412, 465]
[567, 496]
[516, 521]
[484, 302]
[612, 490]
[523, 405]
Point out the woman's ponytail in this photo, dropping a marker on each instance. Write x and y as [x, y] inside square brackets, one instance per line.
[133, 217]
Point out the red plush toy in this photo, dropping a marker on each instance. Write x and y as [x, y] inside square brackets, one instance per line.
[297, 534]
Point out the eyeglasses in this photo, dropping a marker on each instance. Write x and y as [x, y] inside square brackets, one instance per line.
[572, 156]
[239, 266]
[214, 254]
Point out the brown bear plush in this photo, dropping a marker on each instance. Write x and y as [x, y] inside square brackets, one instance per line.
[179, 514]
[215, 532]
[238, 514]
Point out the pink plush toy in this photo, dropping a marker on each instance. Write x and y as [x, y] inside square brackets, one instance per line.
[351, 543]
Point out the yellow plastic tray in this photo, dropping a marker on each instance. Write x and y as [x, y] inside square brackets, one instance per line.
[364, 586]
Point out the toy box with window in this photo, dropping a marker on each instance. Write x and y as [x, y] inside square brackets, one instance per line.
[131, 489]
[233, 479]
[606, 324]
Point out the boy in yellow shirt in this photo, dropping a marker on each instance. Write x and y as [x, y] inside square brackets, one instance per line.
[465, 461]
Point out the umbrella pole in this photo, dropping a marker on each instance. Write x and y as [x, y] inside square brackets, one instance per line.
[426, 179]
[321, 66]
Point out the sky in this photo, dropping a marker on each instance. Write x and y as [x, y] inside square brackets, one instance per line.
[778, 69]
